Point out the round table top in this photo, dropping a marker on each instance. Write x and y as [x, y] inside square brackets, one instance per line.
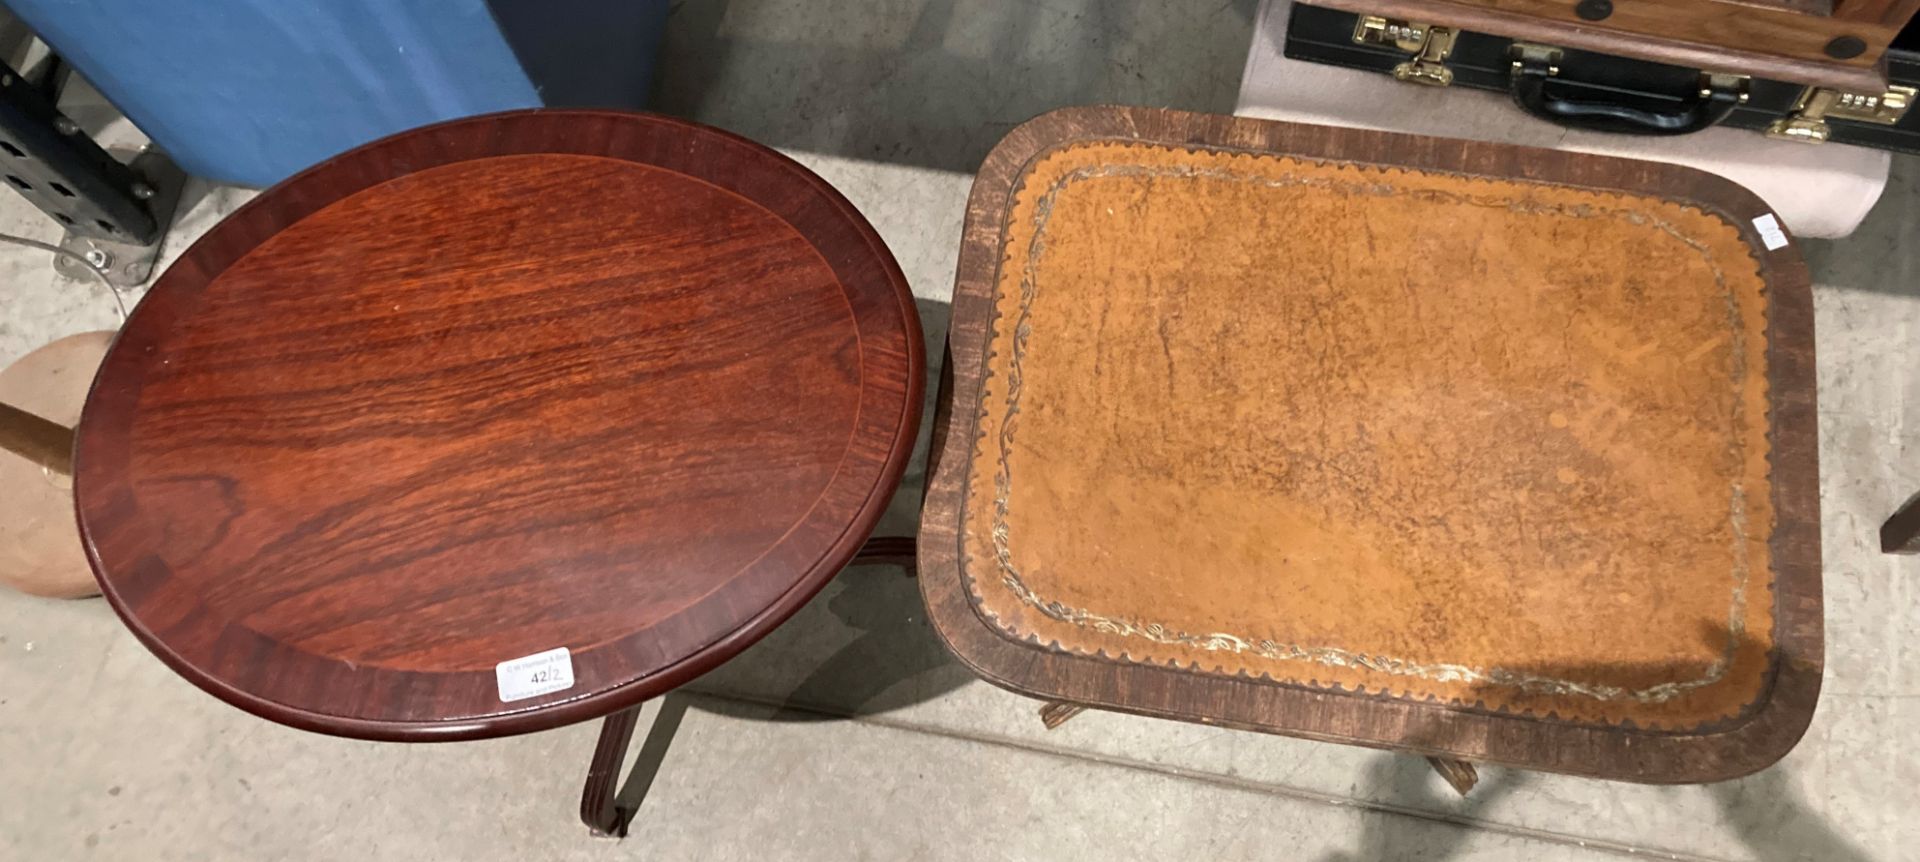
[498, 424]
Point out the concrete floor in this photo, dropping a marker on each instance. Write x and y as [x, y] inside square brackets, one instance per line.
[849, 733]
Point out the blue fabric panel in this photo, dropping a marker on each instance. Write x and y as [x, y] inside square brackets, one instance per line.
[251, 91]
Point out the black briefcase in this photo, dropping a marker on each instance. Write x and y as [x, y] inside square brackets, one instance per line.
[1587, 90]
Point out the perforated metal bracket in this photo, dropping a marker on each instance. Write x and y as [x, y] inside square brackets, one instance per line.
[127, 264]
[115, 212]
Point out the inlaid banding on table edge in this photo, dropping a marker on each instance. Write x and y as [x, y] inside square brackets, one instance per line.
[414, 687]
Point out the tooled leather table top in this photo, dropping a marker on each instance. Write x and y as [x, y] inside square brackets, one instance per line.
[1410, 433]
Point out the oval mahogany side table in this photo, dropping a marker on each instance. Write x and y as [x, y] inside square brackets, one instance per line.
[498, 425]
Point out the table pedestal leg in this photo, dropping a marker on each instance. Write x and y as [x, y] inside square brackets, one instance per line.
[605, 805]
[1458, 773]
[1056, 713]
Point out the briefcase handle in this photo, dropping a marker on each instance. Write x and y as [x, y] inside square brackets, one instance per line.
[1532, 78]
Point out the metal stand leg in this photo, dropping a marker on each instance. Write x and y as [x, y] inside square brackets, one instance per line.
[48, 444]
[1056, 713]
[606, 806]
[1458, 773]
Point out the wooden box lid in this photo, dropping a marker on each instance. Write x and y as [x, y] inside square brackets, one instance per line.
[1817, 42]
[1472, 449]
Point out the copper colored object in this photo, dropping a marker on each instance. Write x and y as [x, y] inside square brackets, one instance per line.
[40, 399]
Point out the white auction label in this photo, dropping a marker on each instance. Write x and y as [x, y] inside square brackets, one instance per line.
[534, 675]
[1770, 232]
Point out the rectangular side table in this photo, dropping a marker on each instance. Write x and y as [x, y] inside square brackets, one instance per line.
[1482, 452]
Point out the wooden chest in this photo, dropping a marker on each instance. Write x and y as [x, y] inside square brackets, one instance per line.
[1832, 43]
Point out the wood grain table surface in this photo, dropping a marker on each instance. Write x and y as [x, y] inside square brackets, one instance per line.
[601, 382]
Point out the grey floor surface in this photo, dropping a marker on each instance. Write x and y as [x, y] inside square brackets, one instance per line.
[849, 733]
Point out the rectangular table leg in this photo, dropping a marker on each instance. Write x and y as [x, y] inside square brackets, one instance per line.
[1056, 713]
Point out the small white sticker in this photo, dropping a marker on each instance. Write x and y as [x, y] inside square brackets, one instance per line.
[1770, 232]
[534, 675]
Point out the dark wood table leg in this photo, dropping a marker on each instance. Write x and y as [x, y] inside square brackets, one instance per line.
[1901, 533]
[607, 805]
[599, 807]
[1056, 713]
[886, 550]
[1458, 773]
